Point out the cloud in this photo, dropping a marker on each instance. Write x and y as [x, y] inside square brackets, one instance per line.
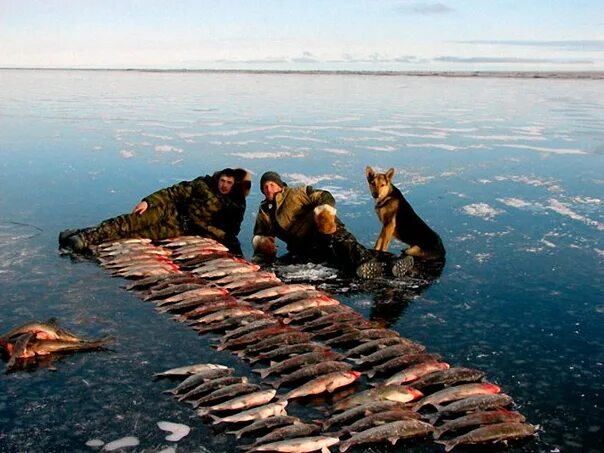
[423, 8]
[451, 59]
[577, 45]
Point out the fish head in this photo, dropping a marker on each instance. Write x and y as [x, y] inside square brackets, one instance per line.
[491, 388]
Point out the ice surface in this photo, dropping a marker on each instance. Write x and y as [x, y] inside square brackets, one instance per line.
[178, 430]
[124, 442]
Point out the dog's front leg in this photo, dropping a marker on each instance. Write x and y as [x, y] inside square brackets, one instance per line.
[385, 236]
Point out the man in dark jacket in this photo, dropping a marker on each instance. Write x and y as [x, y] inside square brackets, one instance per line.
[305, 219]
[210, 206]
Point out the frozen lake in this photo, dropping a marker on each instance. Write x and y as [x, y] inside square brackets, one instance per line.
[510, 172]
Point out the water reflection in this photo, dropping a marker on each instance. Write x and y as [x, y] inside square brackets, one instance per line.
[391, 299]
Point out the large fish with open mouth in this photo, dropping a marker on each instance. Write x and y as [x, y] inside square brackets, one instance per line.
[48, 330]
[27, 346]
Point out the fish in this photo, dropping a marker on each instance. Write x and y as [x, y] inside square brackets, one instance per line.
[252, 286]
[47, 330]
[325, 383]
[235, 271]
[228, 312]
[194, 293]
[194, 302]
[265, 424]
[340, 328]
[253, 337]
[229, 323]
[364, 410]
[415, 372]
[28, 346]
[389, 352]
[379, 418]
[472, 403]
[400, 393]
[291, 297]
[192, 315]
[330, 318]
[361, 335]
[246, 401]
[303, 316]
[229, 391]
[255, 413]
[198, 378]
[255, 279]
[211, 385]
[393, 431]
[280, 290]
[479, 419]
[160, 281]
[260, 324]
[286, 432]
[451, 376]
[374, 345]
[289, 350]
[404, 361]
[299, 445]
[190, 369]
[294, 307]
[457, 393]
[279, 339]
[298, 361]
[171, 290]
[499, 432]
[312, 371]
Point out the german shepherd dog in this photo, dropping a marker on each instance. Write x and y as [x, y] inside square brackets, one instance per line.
[400, 220]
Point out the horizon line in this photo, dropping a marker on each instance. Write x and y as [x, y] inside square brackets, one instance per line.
[587, 74]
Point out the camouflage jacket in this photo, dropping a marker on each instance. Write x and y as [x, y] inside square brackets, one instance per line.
[290, 217]
[200, 209]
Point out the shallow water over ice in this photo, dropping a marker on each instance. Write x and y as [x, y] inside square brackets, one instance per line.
[509, 172]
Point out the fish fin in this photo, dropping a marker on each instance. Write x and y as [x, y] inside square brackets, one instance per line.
[370, 373]
[433, 418]
[244, 447]
[287, 321]
[437, 433]
[19, 348]
[393, 440]
[53, 321]
[202, 412]
[344, 446]
[449, 444]
[325, 450]
[215, 420]
[276, 384]
[272, 362]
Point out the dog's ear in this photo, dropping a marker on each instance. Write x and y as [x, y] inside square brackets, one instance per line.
[369, 173]
[389, 174]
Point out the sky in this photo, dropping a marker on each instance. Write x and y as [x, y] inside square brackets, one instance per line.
[351, 35]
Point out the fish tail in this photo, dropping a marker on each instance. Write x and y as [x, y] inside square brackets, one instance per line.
[345, 446]
[449, 444]
[438, 432]
[215, 420]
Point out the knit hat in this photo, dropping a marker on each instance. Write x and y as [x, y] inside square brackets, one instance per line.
[271, 176]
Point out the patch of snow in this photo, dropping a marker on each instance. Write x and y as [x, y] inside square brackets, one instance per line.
[482, 210]
[167, 149]
[299, 178]
[514, 202]
[127, 154]
[177, 430]
[563, 209]
[129, 441]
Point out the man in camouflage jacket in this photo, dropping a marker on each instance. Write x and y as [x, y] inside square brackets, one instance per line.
[210, 206]
[305, 219]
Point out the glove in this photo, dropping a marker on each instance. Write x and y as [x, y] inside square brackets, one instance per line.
[264, 245]
[325, 218]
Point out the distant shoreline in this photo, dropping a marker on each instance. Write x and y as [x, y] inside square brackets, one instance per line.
[584, 75]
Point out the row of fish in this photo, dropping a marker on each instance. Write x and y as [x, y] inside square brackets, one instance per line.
[293, 328]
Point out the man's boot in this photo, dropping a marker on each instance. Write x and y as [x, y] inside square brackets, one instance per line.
[372, 268]
[401, 266]
[76, 243]
[63, 235]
